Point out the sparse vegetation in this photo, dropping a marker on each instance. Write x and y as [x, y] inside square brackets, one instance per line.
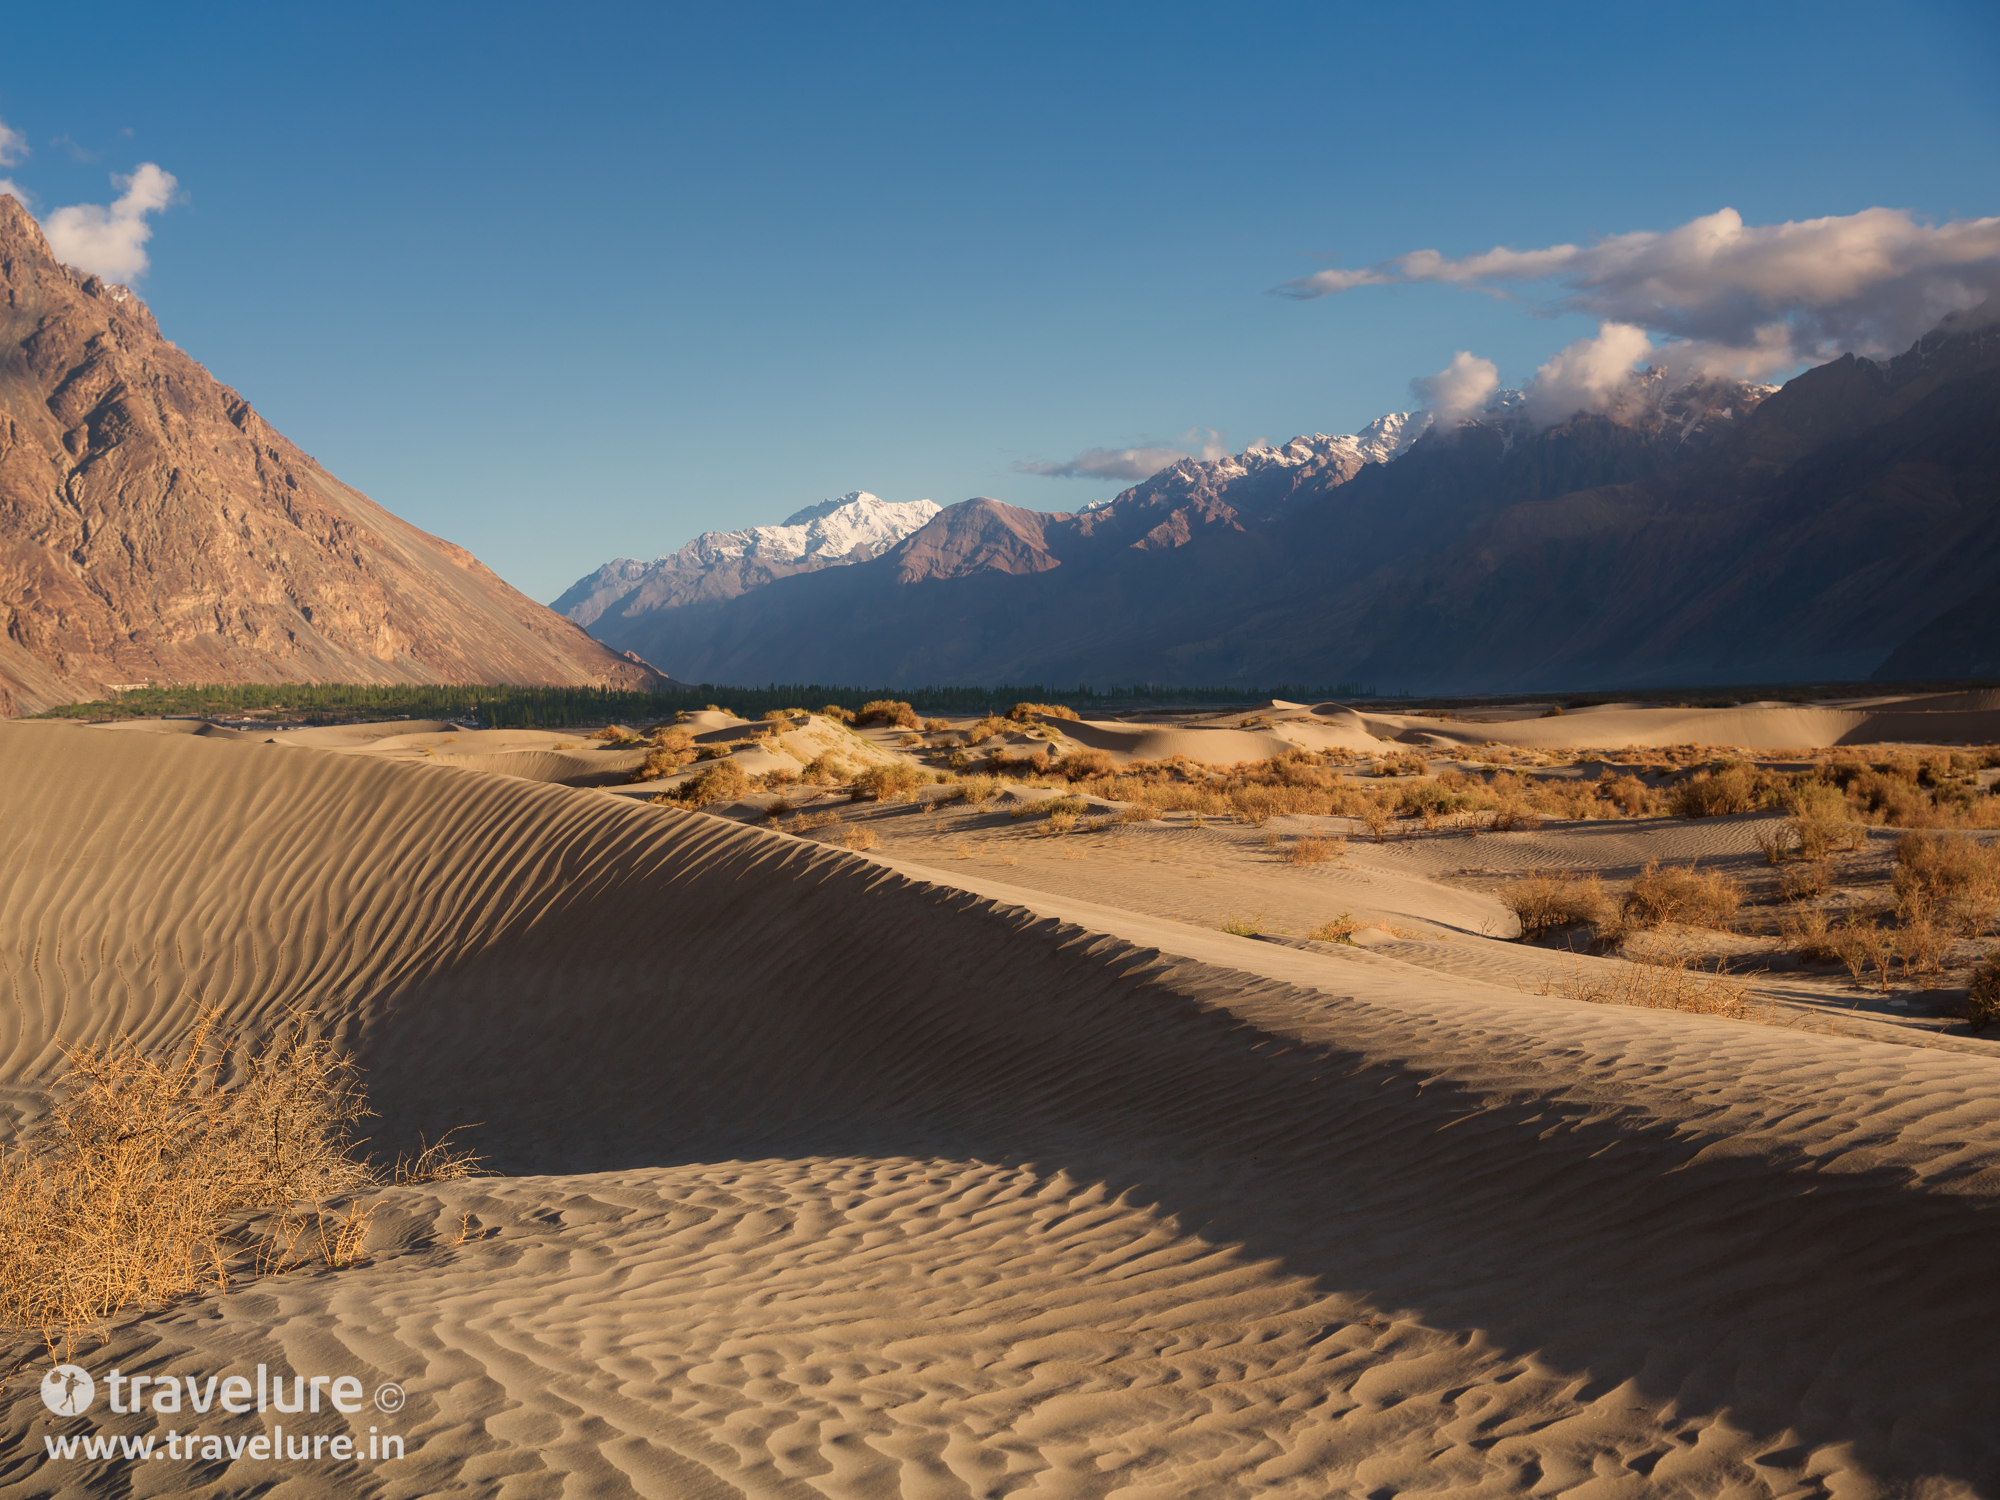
[1340, 929]
[135, 1189]
[672, 749]
[723, 781]
[892, 712]
[1982, 1006]
[854, 836]
[1683, 894]
[1672, 985]
[1024, 712]
[888, 783]
[1545, 903]
[1312, 850]
[1949, 879]
[1246, 926]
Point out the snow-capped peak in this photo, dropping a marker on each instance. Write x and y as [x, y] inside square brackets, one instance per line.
[831, 531]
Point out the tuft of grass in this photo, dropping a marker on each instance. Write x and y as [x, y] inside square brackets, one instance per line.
[1545, 902]
[1246, 926]
[1340, 929]
[1672, 985]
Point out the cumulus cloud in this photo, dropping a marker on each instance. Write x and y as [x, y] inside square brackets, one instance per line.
[1458, 391]
[1131, 463]
[1746, 300]
[111, 242]
[1593, 374]
[13, 146]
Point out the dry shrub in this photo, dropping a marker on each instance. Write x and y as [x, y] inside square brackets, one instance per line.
[979, 790]
[888, 783]
[1819, 820]
[1696, 898]
[1408, 763]
[672, 749]
[1021, 713]
[838, 714]
[135, 1189]
[723, 781]
[716, 752]
[1628, 794]
[936, 726]
[1135, 812]
[1080, 765]
[1516, 817]
[1674, 985]
[1982, 1005]
[890, 711]
[1710, 794]
[1246, 926]
[1802, 882]
[1315, 851]
[826, 770]
[1545, 902]
[1059, 823]
[1808, 933]
[854, 836]
[779, 809]
[1949, 878]
[1923, 944]
[614, 735]
[1340, 930]
[985, 729]
[1775, 843]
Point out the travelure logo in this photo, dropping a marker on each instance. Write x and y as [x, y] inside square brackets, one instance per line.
[68, 1390]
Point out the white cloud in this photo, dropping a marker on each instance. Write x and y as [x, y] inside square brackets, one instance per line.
[7, 185]
[111, 242]
[1458, 391]
[1740, 299]
[1131, 463]
[1592, 374]
[13, 146]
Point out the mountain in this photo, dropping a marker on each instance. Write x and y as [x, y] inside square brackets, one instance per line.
[722, 564]
[154, 528]
[1713, 531]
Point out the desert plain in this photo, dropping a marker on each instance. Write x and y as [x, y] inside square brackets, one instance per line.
[1302, 1100]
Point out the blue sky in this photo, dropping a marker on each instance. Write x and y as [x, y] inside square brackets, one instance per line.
[568, 284]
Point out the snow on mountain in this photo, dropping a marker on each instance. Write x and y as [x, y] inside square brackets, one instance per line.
[721, 564]
[855, 526]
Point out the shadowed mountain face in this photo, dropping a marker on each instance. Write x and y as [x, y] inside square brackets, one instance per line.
[1720, 535]
[153, 528]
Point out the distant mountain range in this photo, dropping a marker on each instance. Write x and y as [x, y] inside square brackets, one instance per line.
[1707, 533]
[155, 529]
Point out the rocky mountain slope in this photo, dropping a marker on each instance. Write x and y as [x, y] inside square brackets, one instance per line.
[154, 528]
[1711, 533]
[722, 564]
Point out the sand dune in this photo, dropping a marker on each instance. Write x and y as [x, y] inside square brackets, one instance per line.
[869, 1185]
[1751, 727]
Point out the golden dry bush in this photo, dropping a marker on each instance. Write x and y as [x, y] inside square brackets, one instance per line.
[133, 1190]
[1948, 878]
[1809, 933]
[723, 781]
[1022, 713]
[1545, 902]
[1802, 882]
[1311, 850]
[1246, 926]
[671, 749]
[1081, 765]
[838, 714]
[1982, 1004]
[1711, 794]
[890, 711]
[826, 770]
[1681, 893]
[888, 783]
[854, 836]
[1820, 822]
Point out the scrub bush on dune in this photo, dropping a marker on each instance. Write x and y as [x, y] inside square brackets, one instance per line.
[1544, 903]
[723, 781]
[888, 711]
[136, 1188]
[1697, 898]
[888, 783]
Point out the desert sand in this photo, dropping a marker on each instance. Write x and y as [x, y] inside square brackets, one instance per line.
[985, 1164]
